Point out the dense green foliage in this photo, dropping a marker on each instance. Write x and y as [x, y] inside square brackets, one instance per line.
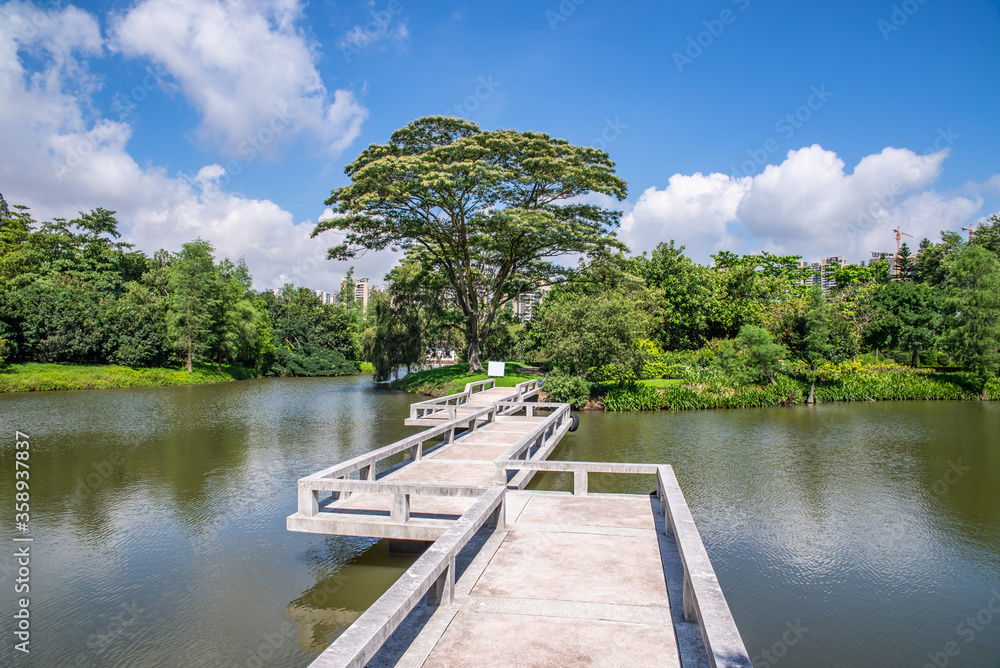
[70, 293]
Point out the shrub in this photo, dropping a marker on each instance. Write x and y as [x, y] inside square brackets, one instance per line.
[563, 388]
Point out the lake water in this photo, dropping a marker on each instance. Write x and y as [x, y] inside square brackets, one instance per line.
[843, 535]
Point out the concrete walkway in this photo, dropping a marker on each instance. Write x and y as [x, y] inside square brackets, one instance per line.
[571, 582]
[515, 577]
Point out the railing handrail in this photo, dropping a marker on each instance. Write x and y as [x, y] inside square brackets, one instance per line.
[580, 470]
[703, 599]
[560, 413]
[352, 465]
[435, 569]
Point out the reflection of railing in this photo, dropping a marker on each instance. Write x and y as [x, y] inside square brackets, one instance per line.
[703, 600]
[450, 404]
[433, 573]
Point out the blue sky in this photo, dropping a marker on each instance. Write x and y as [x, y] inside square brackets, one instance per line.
[802, 128]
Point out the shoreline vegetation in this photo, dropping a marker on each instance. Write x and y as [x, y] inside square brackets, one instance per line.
[39, 377]
[697, 388]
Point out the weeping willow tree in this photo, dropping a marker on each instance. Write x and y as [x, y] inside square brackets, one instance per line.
[489, 210]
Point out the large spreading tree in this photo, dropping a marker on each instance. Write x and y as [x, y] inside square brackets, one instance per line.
[489, 210]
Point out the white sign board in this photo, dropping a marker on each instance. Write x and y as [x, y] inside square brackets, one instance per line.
[495, 369]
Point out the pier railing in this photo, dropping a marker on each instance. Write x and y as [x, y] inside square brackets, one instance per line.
[433, 573]
[536, 444]
[703, 600]
[451, 403]
[364, 467]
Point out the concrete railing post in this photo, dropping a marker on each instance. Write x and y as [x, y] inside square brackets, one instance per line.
[400, 509]
[531, 411]
[580, 483]
[690, 609]
[308, 501]
[442, 592]
[416, 452]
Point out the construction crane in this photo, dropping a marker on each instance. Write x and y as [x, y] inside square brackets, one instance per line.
[899, 235]
[970, 230]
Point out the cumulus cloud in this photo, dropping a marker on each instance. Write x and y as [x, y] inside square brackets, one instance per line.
[247, 69]
[59, 157]
[807, 205]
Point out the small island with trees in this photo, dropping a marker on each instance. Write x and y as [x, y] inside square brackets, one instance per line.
[485, 218]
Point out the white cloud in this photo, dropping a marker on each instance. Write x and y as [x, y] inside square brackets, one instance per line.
[808, 205]
[246, 68]
[694, 210]
[58, 157]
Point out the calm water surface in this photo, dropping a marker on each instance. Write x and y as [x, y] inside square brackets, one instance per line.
[872, 530]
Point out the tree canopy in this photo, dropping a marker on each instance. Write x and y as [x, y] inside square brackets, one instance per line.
[489, 210]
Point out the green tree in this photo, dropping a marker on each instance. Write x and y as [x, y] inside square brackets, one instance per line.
[812, 341]
[581, 332]
[310, 338]
[905, 263]
[489, 209]
[987, 235]
[195, 298]
[761, 351]
[932, 258]
[973, 305]
[750, 287]
[908, 317]
[688, 296]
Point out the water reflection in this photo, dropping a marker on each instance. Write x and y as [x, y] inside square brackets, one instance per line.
[877, 526]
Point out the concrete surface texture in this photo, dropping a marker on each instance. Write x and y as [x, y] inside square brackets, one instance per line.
[570, 582]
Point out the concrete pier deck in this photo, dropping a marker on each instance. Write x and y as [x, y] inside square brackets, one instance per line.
[515, 577]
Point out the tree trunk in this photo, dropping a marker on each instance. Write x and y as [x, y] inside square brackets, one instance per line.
[812, 389]
[475, 361]
[189, 359]
[770, 377]
[915, 359]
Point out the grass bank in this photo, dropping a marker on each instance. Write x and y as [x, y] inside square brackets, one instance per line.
[35, 377]
[849, 381]
[453, 378]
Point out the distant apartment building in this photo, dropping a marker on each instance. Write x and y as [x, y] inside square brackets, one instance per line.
[890, 256]
[362, 290]
[526, 303]
[824, 271]
[325, 297]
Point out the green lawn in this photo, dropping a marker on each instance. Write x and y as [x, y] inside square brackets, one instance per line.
[34, 377]
[452, 379]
